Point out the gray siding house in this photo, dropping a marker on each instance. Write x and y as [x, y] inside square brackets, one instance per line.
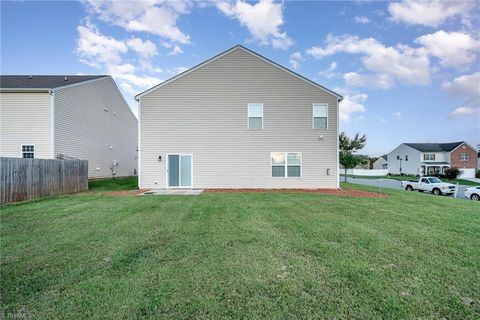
[238, 120]
[83, 117]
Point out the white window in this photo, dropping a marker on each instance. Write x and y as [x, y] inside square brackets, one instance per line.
[286, 164]
[28, 151]
[464, 156]
[255, 116]
[429, 156]
[320, 116]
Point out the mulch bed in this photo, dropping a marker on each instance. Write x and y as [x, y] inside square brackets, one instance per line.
[334, 192]
[124, 192]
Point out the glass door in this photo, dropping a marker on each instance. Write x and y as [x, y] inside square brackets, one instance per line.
[179, 170]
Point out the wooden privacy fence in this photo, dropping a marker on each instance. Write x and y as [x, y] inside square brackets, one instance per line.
[23, 179]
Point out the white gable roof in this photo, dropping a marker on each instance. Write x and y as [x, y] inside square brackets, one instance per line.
[339, 97]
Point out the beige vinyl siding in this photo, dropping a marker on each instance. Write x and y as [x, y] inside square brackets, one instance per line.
[25, 119]
[84, 130]
[205, 113]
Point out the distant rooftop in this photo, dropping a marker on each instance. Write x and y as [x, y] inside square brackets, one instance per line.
[435, 147]
[42, 81]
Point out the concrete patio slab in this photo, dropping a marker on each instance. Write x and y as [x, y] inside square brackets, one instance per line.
[172, 192]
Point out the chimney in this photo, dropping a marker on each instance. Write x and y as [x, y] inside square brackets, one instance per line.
[66, 78]
[30, 77]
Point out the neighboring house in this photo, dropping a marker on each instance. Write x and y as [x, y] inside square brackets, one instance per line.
[432, 158]
[83, 117]
[238, 120]
[381, 163]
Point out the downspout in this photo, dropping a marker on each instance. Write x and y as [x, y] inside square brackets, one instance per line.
[338, 145]
[139, 143]
[52, 123]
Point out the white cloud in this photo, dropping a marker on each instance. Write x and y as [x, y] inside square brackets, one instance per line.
[155, 16]
[351, 104]
[388, 65]
[429, 12]
[361, 19]
[330, 71]
[145, 49]
[465, 88]
[453, 49]
[295, 59]
[381, 81]
[94, 48]
[175, 50]
[262, 19]
[129, 81]
[176, 70]
[463, 111]
[179, 70]
[105, 53]
[397, 115]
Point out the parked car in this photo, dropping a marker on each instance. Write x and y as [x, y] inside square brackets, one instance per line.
[430, 184]
[473, 193]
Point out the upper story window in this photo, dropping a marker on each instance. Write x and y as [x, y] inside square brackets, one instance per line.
[320, 116]
[286, 164]
[255, 116]
[28, 151]
[406, 157]
[429, 156]
[464, 156]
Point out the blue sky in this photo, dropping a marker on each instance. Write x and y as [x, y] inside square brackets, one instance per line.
[409, 71]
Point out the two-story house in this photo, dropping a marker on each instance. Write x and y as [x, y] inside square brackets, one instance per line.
[432, 158]
[62, 117]
[238, 120]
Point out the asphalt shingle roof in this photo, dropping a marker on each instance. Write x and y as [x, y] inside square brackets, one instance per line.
[42, 81]
[435, 147]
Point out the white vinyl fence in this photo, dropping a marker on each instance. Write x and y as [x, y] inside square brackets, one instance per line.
[366, 172]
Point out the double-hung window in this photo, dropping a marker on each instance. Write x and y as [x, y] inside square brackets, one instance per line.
[286, 164]
[464, 156]
[28, 151]
[320, 116]
[255, 116]
[429, 156]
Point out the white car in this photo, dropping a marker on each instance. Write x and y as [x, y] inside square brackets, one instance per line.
[473, 193]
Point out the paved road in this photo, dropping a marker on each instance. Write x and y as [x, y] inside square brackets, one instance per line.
[393, 184]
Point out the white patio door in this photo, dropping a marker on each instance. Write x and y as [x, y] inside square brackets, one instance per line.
[179, 170]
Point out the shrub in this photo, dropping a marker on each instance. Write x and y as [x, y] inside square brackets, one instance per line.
[452, 173]
[477, 174]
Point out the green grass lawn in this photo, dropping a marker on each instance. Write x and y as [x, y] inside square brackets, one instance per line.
[128, 183]
[240, 255]
[404, 178]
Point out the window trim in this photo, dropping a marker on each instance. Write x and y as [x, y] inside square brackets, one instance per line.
[248, 115]
[286, 165]
[313, 114]
[467, 156]
[34, 150]
[429, 153]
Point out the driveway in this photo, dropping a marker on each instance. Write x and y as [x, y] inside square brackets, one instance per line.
[392, 184]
